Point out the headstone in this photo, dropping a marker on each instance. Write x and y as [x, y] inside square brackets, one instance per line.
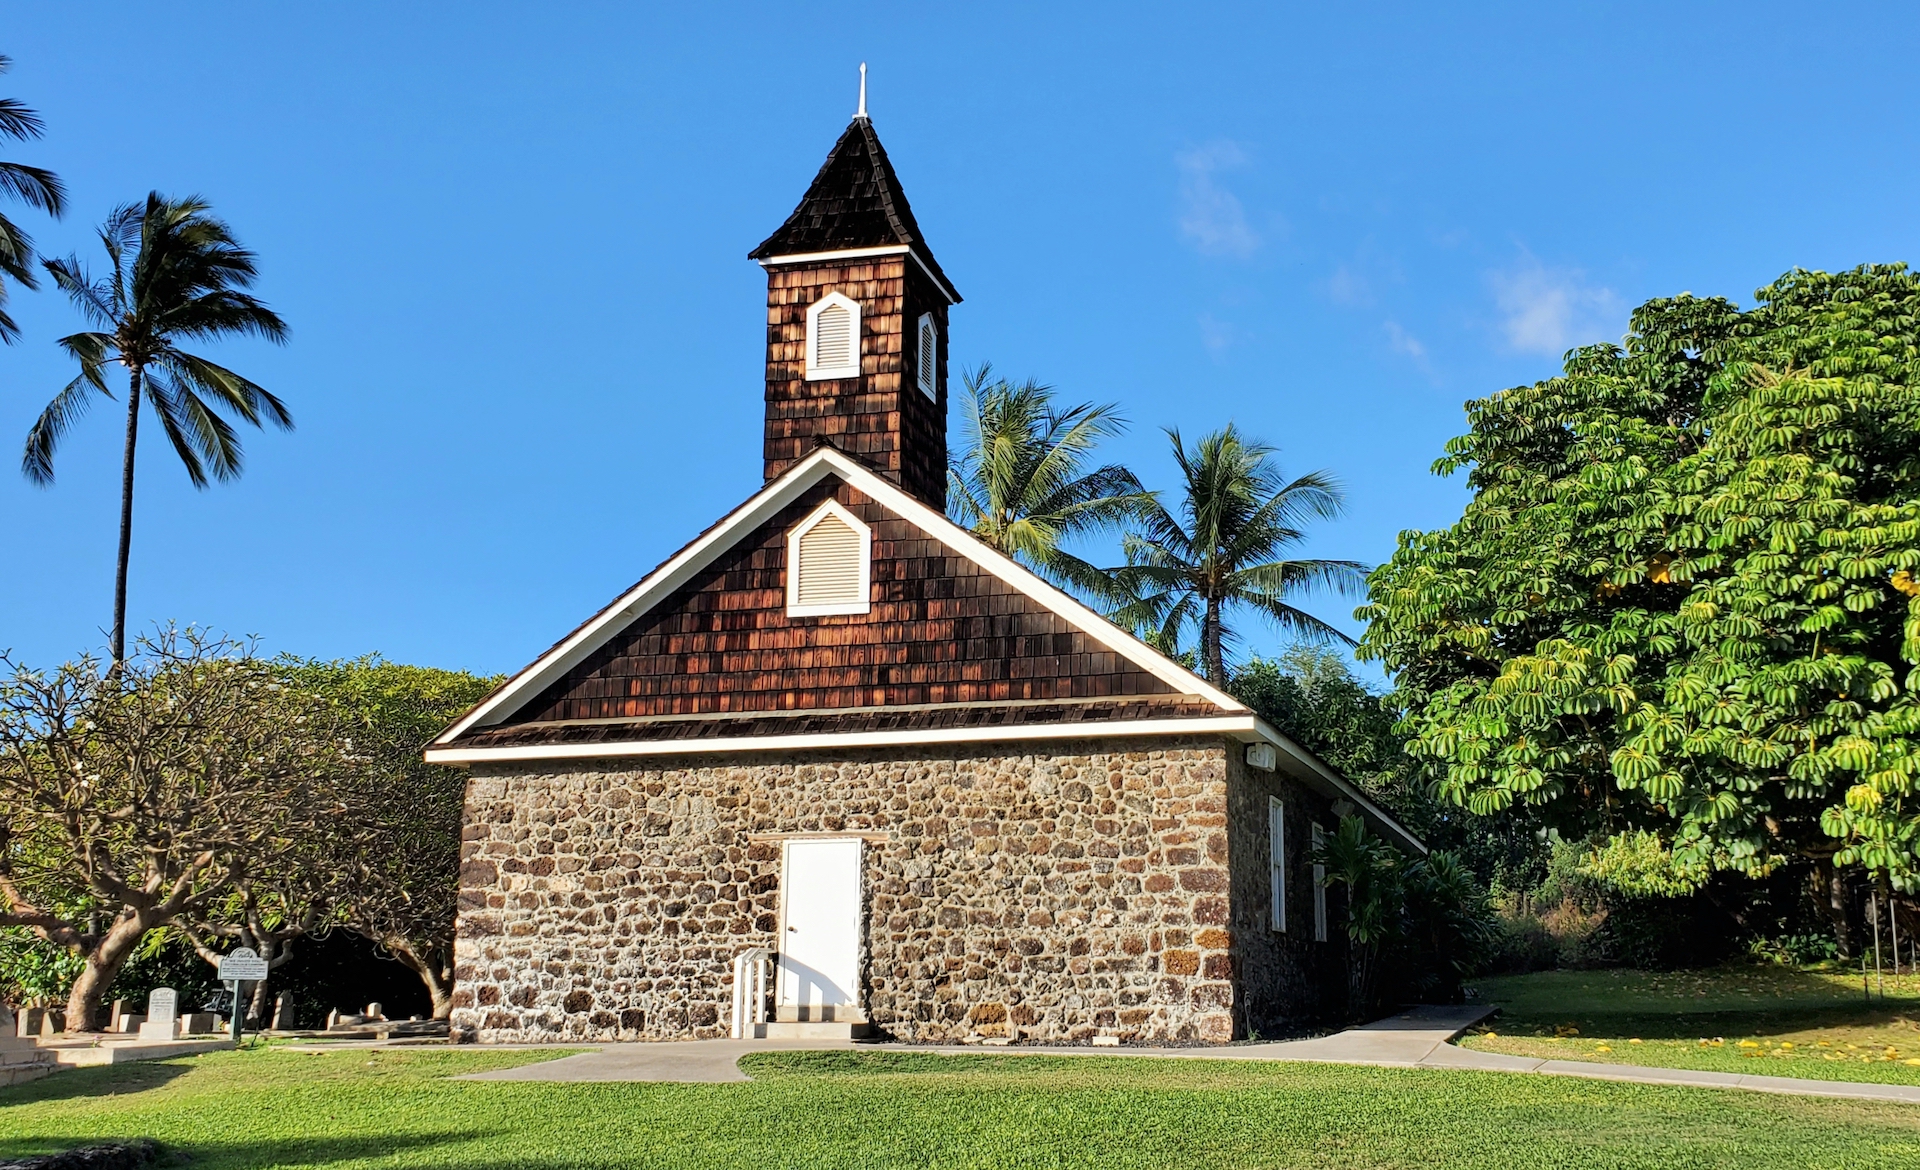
[375, 1012]
[162, 1015]
[199, 1023]
[283, 1012]
[333, 1017]
[113, 1017]
[27, 1023]
[12, 1041]
[53, 1022]
[129, 1022]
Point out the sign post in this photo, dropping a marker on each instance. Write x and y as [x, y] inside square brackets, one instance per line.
[239, 967]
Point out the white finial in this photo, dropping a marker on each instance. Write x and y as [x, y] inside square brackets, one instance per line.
[863, 91]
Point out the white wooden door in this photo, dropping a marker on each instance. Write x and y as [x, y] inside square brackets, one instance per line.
[819, 977]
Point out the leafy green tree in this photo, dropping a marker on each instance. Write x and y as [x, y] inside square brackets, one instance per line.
[1682, 599]
[1021, 480]
[1237, 515]
[32, 186]
[144, 796]
[1312, 694]
[176, 275]
[404, 892]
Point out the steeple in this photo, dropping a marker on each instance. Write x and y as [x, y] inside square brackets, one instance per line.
[857, 323]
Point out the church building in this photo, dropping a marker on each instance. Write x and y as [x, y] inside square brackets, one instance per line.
[839, 768]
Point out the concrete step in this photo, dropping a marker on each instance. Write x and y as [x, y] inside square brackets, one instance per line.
[15, 1074]
[811, 1030]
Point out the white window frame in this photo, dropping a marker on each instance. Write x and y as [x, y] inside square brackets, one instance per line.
[829, 508]
[820, 373]
[1277, 862]
[1319, 887]
[927, 372]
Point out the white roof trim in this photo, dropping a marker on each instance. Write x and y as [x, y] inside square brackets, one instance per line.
[952, 294]
[1331, 779]
[1112, 729]
[769, 500]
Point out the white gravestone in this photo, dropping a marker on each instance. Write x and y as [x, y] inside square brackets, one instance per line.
[283, 1012]
[162, 1015]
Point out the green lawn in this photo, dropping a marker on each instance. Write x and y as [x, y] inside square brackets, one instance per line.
[1746, 1019]
[275, 1108]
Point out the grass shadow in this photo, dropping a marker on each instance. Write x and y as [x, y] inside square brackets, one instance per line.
[282, 1152]
[96, 1081]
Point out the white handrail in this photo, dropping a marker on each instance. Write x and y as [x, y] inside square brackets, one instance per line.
[750, 972]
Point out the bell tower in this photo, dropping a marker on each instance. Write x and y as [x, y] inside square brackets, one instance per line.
[857, 323]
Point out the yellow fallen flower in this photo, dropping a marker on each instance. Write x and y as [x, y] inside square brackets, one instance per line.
[1787, 1044]
[1749, 1044]
[1636, 1040]
[1603, 1048]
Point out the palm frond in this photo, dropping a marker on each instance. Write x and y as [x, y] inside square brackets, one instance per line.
[33, 186]
[188, 443]
[16, 253]
[96, 300]
[246, 398]
[1297, 624]
[36, 462]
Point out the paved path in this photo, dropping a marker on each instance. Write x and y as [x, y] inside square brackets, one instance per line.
[1417, 1038]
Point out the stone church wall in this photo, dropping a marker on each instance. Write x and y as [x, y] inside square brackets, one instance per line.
[1289, 981]
[1052, 895]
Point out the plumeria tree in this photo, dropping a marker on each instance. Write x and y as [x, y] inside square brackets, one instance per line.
[155, 794]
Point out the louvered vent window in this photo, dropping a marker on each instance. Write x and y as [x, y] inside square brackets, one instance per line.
[829, 557]
[833, 338]
[929, 357]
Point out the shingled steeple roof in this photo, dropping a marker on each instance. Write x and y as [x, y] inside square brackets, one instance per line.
[856, 201]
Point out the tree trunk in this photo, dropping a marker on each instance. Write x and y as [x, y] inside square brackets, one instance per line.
[126, 519]
[439, 985]
[1831, 892]
[1211, 658]
[103, 963]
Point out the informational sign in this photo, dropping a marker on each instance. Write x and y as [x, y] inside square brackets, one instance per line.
[242, 965]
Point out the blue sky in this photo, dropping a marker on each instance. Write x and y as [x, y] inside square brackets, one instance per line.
[510, 240]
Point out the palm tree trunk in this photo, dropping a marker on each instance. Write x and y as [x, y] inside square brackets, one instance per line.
[1210, 644]
[126, 519]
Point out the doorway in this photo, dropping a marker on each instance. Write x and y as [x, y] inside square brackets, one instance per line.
[819, 973]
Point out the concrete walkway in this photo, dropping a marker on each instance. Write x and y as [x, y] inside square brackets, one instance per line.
[1417, 1038]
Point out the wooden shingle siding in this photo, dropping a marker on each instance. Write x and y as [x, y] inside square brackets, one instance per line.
[879, 417]
[941, 630]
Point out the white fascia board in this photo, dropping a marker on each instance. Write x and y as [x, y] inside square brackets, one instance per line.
[952, 294]
[1237, 726]
[1333, 780]
[778, 494]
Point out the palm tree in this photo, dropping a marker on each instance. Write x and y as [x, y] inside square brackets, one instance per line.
[1021, 482]
[30, 185]
[1237, 516]
[176, 275]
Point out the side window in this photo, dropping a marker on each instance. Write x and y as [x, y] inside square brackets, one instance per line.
[1277, 859]
[1319, 890]
[833, 338]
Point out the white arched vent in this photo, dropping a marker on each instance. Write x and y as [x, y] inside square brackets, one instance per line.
[829, 563]
[833, 338]
[929, 363]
